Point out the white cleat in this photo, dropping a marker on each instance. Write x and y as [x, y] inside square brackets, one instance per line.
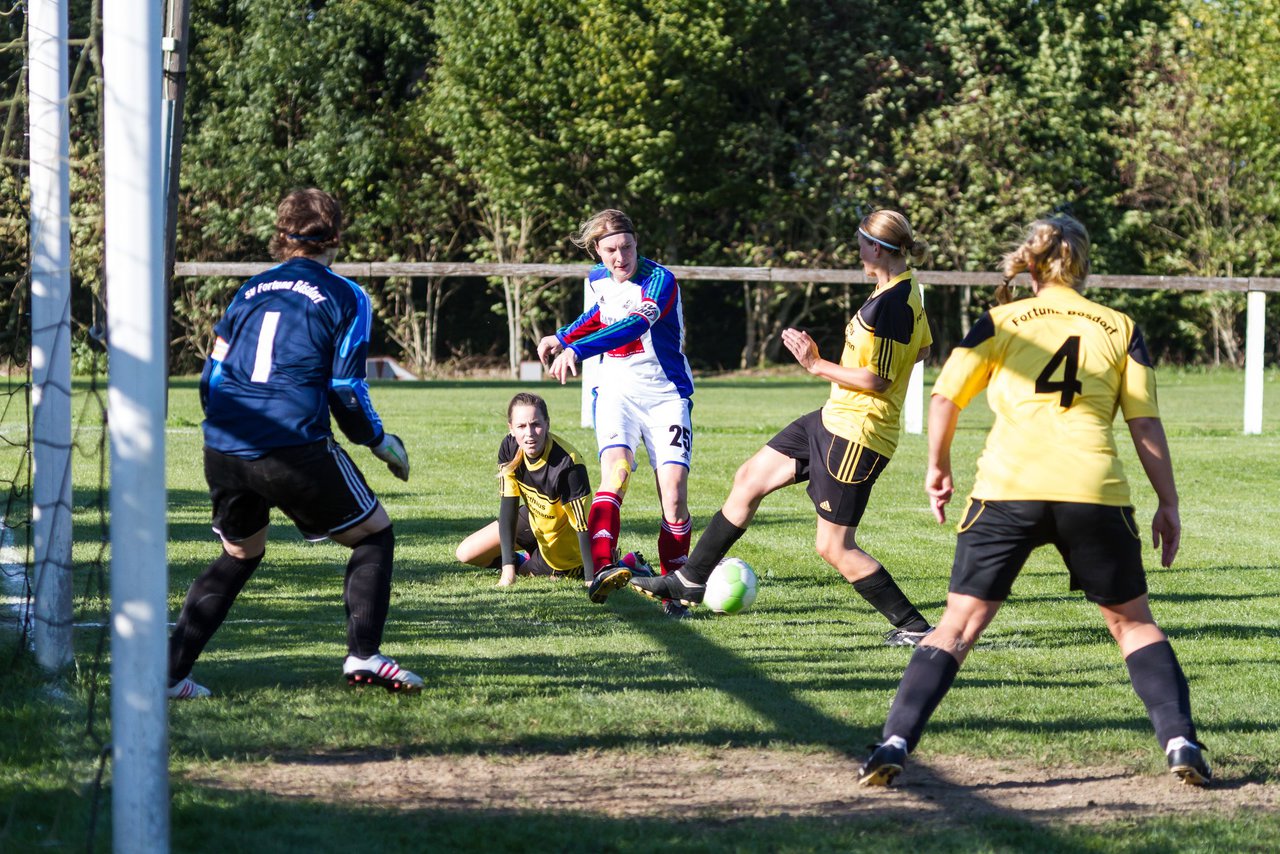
[188, 689]
[379, 670]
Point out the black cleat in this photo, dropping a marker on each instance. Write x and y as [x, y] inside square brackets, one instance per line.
[1188, 765]
[610, 578]
[675, 610]
[884, 763]
[671, 586]
[902, 637]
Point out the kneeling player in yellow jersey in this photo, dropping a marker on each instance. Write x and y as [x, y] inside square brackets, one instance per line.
[1056, 368]
[551, 524]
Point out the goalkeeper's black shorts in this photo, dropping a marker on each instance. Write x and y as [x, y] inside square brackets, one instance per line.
[318, 486]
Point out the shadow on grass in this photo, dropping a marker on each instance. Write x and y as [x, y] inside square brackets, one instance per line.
[218, 821]
[205, 820]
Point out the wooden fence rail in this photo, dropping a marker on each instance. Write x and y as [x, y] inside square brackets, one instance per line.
[1255, 287]
[441, 269]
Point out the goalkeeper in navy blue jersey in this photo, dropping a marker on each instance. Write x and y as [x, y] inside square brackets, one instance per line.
[289, 354]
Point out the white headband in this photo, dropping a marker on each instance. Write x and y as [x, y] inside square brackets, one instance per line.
[878, 240]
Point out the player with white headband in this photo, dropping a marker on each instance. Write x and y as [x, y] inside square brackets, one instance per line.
[636, 326]
[840, 449]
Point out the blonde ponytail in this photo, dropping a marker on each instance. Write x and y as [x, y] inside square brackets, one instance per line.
[1055, 251]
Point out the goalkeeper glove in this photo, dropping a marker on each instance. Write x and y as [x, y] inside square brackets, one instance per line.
[391, 451]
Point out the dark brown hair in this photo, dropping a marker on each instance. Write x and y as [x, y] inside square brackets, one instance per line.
[308, 222]
[527, 398]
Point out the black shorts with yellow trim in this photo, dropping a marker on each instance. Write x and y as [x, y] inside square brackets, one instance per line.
[317, 485]
[1100, 545]
[537, 563]
[840, 472]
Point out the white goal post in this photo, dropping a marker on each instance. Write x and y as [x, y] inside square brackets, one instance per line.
[134, 213]
[49, 124]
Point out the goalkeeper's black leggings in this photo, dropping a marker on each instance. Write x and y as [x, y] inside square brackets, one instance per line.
[366, 594]
[206, 606]
[367, 591]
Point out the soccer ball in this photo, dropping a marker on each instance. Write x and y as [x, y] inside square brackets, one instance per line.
[731, 588]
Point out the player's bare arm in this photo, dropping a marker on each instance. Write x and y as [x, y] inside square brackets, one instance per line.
[564, 365]
[938, 484]
[805, 349]
[549, 346]
[1150, 442]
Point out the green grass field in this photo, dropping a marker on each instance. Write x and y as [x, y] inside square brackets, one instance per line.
[537, 669]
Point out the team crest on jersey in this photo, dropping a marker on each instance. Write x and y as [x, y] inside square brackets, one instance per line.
[851, 330]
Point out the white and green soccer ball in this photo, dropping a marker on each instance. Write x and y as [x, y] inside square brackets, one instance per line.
[731, 588]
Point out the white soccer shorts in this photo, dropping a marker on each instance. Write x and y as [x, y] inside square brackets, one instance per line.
[663, 424]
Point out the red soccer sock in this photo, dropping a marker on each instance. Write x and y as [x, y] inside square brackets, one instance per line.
[673, 544]
[603, 521]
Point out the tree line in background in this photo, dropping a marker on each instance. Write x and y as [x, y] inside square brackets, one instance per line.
[735, 133]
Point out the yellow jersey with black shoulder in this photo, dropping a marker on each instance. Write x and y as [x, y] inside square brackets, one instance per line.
[556, 489]
[885, 336]
[1056, 368]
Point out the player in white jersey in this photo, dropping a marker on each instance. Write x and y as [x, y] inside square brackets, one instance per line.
[636, 326]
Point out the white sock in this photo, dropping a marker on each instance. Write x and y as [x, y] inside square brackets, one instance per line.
[1177, 743]
[896, 741]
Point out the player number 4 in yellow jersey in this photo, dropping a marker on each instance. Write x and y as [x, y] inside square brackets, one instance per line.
[1068, 357]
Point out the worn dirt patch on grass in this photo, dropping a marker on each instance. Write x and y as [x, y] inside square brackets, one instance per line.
[736, 783]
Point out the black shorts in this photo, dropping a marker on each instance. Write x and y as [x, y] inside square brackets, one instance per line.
[1099, 544]
[536, 564]
[317, 486]
[840, 473]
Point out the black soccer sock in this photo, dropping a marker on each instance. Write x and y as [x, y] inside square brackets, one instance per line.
[714, 544]
[1162, 687]
[208, 601]
[926, 681]
[885, 596]
[367, 591]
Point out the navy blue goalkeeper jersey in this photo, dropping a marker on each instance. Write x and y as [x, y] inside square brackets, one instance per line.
[290, 349]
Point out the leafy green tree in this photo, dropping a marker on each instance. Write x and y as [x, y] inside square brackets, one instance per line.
[556, 108]
[286, 94]
[1200, 152]
[1026, 97]
[737, 132]
[847, 74]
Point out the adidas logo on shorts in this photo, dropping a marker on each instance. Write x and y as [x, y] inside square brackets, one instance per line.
[826, 505]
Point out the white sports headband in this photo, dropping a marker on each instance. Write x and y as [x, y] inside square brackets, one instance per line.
[878, 240]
